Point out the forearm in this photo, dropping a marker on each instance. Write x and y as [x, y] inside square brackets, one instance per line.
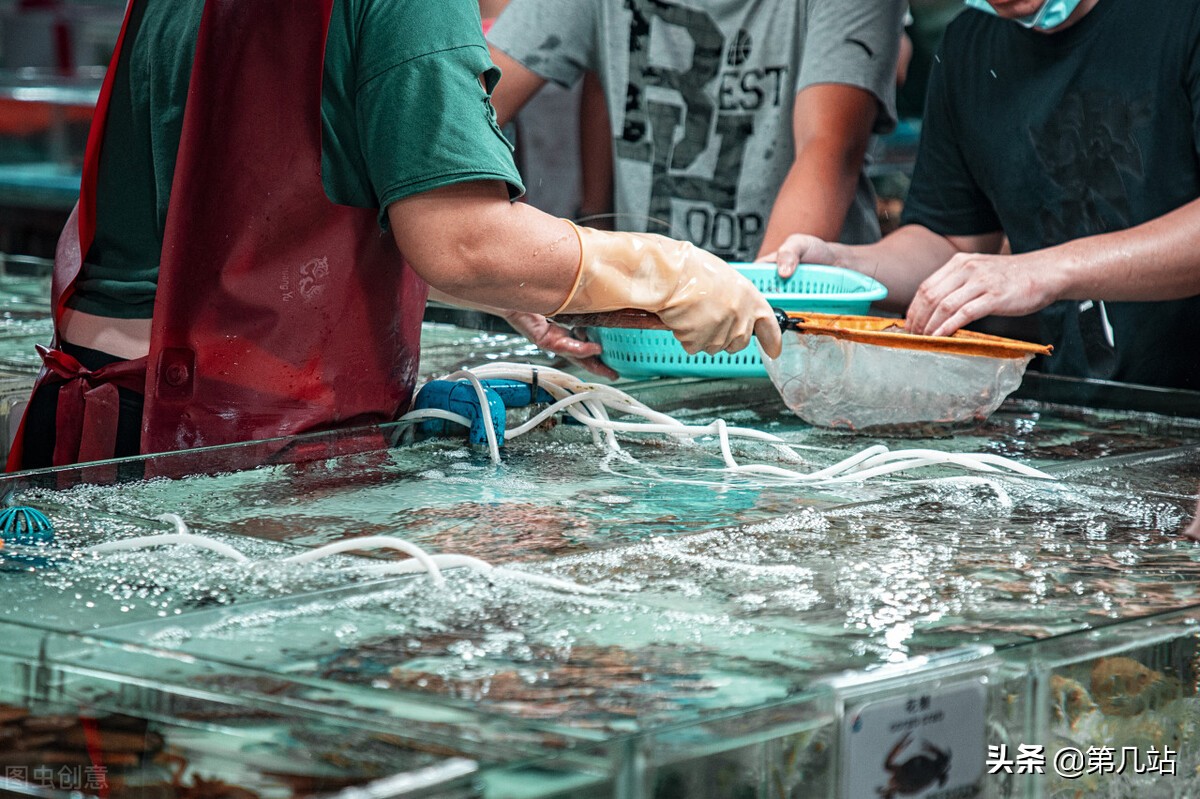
[468, 241]
[437, 295]
[901, 261]
[1155, 261]
[815, 195]
[1152, 262]
[831, 127]
[487, 251]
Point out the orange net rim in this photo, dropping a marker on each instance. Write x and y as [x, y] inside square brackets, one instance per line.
[870, 330]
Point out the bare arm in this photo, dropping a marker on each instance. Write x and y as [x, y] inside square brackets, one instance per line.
[831, 126]
[468, 241]
[542, 332]
[517, 84]
[595, 152]
[1154, 261]
[486, 250]
[901, 261]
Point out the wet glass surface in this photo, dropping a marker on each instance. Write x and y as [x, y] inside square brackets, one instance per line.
[710, 594]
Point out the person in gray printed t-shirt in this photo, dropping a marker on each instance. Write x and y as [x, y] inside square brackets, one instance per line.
[737, 122]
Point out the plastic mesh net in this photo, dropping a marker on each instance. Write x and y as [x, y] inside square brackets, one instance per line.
[831, 382]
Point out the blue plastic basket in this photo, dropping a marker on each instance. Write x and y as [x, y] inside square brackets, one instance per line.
[814, 287]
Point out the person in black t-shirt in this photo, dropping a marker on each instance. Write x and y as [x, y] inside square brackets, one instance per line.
[1079, 141]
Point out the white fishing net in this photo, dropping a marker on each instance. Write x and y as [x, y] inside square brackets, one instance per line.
[831, 382]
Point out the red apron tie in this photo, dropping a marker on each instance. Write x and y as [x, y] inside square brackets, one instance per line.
[88, 404]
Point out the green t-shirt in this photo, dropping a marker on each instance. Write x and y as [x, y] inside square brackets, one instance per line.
[402, 109]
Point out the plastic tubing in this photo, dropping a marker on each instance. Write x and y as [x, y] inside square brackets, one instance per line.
[373, 542]
[146, 541]
[435, 413]
[421, 560]
[575, 397]
[483, 567]
[414, 566]
[489, 426]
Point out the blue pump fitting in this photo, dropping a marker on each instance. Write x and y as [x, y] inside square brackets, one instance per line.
[461, 398]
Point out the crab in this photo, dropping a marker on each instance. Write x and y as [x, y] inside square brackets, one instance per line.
[918, 772]
[1124, 687]
[1070, 701]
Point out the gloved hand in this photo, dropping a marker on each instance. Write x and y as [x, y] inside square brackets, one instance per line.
[705, 302]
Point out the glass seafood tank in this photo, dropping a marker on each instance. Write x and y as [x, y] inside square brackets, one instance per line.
[630, 622]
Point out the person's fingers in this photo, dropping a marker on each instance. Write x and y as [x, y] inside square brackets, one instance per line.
[719, 336]
[929, 294]
[954, 274]
[969, 312]
[598, 367]
[690, 340]
[948, 307]
[571, 347]
[720, 340]
[787, 257]
[575, 346]
[740, 339]
[766, 329]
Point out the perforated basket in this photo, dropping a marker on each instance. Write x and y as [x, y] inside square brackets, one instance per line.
[814, 287]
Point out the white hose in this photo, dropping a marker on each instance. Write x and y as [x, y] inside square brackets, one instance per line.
[421, 560]
[489, 425]
[374, 542]
[481, 566]
[588, 403]
[435, 413]
[172, 539]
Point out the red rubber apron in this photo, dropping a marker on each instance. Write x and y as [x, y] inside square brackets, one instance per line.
[277, 311]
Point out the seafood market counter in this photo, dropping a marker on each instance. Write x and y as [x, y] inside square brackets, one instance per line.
[626, 623]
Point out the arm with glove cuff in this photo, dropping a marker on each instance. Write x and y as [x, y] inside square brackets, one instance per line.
[469, 241]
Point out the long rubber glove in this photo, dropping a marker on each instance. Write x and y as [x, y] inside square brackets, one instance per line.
[706, 303]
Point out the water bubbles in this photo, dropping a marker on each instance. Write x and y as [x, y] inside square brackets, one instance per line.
[751, 600]
[612, 499]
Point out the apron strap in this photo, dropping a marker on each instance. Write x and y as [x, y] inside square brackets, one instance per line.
[89, 404]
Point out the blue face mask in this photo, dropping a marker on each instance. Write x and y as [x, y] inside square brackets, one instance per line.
[1052, 14]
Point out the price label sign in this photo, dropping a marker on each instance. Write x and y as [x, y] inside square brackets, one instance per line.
[917, 745]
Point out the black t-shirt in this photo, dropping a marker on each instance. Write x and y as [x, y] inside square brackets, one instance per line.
[1053, 137]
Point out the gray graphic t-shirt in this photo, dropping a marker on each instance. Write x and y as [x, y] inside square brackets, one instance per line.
[700, 96]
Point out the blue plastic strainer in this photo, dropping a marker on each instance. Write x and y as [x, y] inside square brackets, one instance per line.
[814, 287]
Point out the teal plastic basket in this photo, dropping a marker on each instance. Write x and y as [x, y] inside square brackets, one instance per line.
[814, 287]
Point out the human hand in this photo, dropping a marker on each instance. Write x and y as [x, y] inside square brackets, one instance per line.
[708, 305]
[800, 248]
[546, 335]
[714, 308]
[971, 286]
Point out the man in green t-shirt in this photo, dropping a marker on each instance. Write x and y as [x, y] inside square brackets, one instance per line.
[226, 257]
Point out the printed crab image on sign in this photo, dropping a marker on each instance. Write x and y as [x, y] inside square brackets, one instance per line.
[917, 772]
